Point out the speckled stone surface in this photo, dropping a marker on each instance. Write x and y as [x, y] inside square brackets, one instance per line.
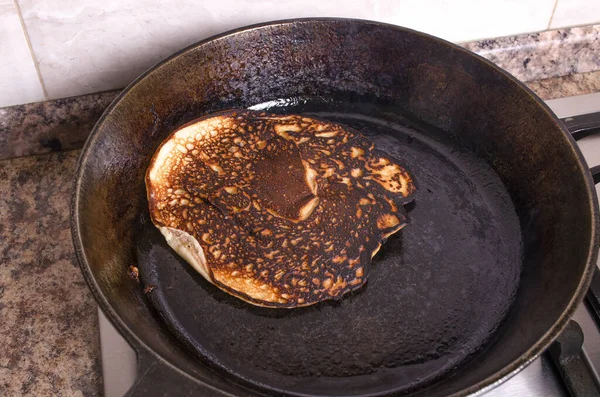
[49, 342]
[55, 125]
[565, 86]
[543, 55]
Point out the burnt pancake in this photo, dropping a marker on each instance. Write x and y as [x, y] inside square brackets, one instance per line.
[280, 211]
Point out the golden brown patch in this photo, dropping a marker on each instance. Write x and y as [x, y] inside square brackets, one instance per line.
[387, 221]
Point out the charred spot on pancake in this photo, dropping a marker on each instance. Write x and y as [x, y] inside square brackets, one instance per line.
[280, 211]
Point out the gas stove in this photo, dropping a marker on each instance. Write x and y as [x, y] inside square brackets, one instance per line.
[568, 369]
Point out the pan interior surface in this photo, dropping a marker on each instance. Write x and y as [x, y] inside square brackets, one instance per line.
[437, 292]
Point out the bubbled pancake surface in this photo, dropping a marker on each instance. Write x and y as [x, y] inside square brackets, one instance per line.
[280, 211]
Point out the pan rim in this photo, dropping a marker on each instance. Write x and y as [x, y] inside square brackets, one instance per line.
[477, 389]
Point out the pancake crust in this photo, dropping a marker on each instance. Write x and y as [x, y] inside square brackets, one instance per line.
[280, 211]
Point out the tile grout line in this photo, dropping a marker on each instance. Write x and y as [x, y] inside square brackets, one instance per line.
[31, 52]
[551, 15]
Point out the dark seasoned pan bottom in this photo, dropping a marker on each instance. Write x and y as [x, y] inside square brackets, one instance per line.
[436, 293]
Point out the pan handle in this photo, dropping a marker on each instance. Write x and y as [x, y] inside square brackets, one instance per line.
[155, 377]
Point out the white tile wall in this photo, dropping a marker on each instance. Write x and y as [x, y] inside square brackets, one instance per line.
[19, 82]
[575, 12]
[84, 46]
[466, 20]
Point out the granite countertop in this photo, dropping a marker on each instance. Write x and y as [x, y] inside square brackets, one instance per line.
[48, 333]
[48, 330]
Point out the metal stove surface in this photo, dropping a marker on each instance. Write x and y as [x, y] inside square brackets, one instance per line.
[540, 378]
